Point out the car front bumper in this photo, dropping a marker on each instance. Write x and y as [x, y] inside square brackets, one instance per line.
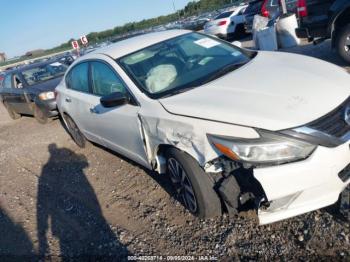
[48, 107]
[296, 188]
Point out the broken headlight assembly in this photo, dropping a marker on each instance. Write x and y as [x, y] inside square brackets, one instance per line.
[269, 149]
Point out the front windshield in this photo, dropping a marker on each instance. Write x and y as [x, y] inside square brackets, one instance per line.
[44, 73]
[180, 63]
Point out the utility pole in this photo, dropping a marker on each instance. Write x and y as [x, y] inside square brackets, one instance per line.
[174, 5]
[175, 8]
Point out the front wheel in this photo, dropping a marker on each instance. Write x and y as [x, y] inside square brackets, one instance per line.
[343, 43]
[193, 186]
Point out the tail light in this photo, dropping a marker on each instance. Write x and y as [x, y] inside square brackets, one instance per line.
[222, 23]
[302, 8]
[264, 11]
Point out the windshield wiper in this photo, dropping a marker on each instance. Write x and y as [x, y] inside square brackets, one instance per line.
[222, 71]
[179, 91]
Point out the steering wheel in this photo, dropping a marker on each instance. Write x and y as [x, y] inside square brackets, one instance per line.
[193, 60]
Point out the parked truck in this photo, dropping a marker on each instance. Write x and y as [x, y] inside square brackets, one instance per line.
[326, 19]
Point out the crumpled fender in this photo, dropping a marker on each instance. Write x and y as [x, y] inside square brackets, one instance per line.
[187, 134]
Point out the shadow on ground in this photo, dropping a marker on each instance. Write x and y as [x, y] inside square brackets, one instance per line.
[68, 209]
[14, 242]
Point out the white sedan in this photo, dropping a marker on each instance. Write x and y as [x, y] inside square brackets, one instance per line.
[227, 24]
[229, 126]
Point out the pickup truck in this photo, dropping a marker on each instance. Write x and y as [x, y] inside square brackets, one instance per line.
[326, 19]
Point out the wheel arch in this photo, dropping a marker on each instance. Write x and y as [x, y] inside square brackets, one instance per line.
[160, 156]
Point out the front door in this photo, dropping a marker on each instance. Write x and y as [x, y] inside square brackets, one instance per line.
[117, 127]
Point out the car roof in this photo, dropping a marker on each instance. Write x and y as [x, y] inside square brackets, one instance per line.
[136, 43]
[30, 66]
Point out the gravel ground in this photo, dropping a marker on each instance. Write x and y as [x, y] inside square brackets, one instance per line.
[59, 201]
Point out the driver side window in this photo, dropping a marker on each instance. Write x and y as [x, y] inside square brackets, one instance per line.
[104, 80]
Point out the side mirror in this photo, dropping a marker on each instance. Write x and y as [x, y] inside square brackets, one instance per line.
[114, 99]
[237, 43]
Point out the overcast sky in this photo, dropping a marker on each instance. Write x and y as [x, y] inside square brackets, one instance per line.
[32, 24]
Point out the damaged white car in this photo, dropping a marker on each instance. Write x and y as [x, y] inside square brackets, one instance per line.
[231, 127]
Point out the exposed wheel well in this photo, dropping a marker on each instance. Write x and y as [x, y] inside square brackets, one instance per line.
[160, 157]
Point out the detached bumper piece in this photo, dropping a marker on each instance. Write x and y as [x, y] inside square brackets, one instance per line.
[49, 107]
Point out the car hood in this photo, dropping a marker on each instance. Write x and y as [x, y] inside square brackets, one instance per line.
[49, 85]
[274, 91]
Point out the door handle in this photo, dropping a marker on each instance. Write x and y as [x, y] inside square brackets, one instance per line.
[68, 100]
[94, 111]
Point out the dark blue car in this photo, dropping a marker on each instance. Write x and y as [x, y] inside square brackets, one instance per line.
[30, 90]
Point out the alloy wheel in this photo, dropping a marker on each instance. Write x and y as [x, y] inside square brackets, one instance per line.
[347, 44]
[182, 185]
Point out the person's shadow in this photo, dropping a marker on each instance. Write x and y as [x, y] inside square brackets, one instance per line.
[68, 208]
[15, 245]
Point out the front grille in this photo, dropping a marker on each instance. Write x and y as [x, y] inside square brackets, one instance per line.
[333, 123]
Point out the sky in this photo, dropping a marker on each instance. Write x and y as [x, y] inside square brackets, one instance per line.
[27, 25]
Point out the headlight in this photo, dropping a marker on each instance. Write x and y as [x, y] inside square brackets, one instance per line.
[47, 95]
[268, 149]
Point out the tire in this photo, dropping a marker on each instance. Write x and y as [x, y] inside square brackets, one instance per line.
[343, 43]
[195, 189]
[74, 132]
[40, 116]
[11, 112]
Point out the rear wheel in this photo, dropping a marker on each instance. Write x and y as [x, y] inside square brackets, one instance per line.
[40, 116]
[74, 131]
[11, 112]
[193, 186]
[343, 43]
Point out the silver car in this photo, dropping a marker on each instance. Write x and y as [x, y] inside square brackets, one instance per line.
[232, 128]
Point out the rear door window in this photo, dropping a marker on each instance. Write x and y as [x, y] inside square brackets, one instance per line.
[7, 82]
[77, 79]
[224, 15]
[104, 80]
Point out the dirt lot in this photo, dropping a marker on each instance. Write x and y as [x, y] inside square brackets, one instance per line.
[59, 200]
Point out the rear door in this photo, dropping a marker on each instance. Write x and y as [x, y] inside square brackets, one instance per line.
[77, 99]
[6, 88]
[13, 94]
